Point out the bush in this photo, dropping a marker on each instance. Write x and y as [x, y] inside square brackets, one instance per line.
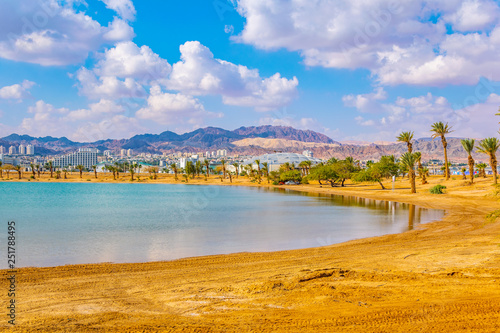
[438, 189]
[294, 175]
[276, 183]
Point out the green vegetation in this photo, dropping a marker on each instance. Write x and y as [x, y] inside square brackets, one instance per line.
[438, 189]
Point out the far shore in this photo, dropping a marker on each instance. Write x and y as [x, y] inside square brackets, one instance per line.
[442, 276]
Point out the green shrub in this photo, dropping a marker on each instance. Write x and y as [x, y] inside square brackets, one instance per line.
[276, 183]
[438, 189]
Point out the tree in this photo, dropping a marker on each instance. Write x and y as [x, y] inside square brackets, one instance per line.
[8, 168]
[19, 170]
[464, 177]
[58, 174]
[223, 162]
[236, 166]
[49, 166]
[294, 175]
[376, 172]
[489, 146]
[324, 172]
[173, 167]
[80, 168]
[95, 171]
[424, 173]
[345, 169]
[440, 130]
[266, 170]
[131, 169]
[468, 145]
[303, 168]
[65, 173]
[190, 169]
[258, 169]
[207, 167]
[33, 170]
[409, 160]
[1, 171]
[481, 169]
[38, 170]
[406, 137]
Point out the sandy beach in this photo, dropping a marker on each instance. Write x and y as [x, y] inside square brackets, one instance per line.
[441, 277]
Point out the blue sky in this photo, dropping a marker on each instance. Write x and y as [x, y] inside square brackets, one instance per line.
[354, 70]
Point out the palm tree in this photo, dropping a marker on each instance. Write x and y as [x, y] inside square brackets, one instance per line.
[424, 173]
[440, 130]
[95, 170]
[464, 177]
[258, 169]
[406, 137]
[65, 173]
[131, 169]
[418, 157]
[80, 167]
[236, 165]
[408, 160]
[58, 174]
[33, 170]
[223, 162]
[468, 145]
[51, 168]
[173, 166]
[480, 167]
[489, 146]
[38, 170]
[266, 170]
[19, 170]
[206, 162]
[1, 171]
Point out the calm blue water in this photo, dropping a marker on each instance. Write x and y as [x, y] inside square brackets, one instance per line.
[62, 223]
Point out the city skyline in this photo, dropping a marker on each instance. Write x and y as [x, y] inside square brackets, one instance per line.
[112, 69]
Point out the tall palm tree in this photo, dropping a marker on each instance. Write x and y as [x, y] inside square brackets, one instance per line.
[80, 168]
[58, 174]
[236, 166]
[131, 169]
[408, 160]
[468, 145]
[206, 162]
[33, 170]
[95, 171]
[38, 170]
[418, 157]
[173, 166]
[406, 137]
[464, 177]
[440, 130]
[1, 171]
[51, 169]
[489, 146]
[258, 169]
[266, 170]
[65, 173]
[223, 168]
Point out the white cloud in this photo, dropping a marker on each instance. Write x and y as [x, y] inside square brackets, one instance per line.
[418, 113]
[53, 34]
[127, 60]
[17, 91]
[403, 42]
[199, 73]
[101, 121]
[108, 87]
[366, 102]
[124, 8]
[166, 108]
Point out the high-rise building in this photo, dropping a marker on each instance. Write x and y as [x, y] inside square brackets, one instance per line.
[129, 153]
[84, 156]
[22, 149]
[30, 150]
[123, 152]
[2, 150]
[12, 150]
[107, 153]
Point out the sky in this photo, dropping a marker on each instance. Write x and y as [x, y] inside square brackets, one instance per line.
[362, 70]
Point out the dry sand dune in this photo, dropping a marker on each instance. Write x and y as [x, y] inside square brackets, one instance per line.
[442, 277]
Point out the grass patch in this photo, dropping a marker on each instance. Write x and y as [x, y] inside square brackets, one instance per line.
[493, 216]
[438, 189]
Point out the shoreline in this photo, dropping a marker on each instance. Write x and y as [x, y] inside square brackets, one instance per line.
[349, 286]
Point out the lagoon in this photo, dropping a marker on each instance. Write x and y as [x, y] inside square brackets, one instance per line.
[76, 223]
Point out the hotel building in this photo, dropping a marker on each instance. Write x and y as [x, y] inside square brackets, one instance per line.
[84, 156]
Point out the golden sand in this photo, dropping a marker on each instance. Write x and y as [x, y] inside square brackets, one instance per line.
[442, 277]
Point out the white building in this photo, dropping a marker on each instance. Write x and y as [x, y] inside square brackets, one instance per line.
[30, 150]
[84, 156]
[22, 149]
[107, 153]
[129, 153]
[2, 150]
[221, 153]
[12, 150]
[123, 152]
[308, 153]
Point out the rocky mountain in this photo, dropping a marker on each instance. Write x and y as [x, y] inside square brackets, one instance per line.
[200, 139]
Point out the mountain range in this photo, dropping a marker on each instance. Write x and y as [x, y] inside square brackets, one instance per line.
[254, 140]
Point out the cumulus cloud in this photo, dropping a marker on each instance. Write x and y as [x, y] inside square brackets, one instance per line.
[50, 33]
[108, 87]
[166, 108]
[127, 60]
[124, 8]
[400, 42]
[101, 121]
[199, 73]
[17, 91]
[366, 102]
[418, 113]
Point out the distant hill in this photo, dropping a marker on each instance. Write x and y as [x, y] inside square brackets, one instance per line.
[203, 138]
